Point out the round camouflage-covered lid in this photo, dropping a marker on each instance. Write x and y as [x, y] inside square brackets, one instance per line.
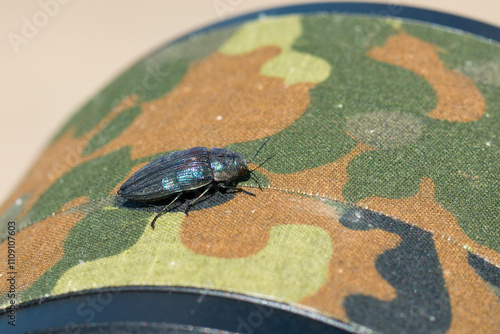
[379, 207]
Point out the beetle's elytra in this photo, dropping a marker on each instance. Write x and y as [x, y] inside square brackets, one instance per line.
[183, 171]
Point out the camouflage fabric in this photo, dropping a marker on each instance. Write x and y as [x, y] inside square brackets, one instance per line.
[380, 205]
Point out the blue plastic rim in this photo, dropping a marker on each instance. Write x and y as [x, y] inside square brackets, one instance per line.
[385, 10]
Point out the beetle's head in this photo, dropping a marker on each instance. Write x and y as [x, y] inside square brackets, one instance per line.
[240, 165]
[227, 165]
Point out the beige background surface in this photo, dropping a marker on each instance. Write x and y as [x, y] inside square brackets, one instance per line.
[85, 44]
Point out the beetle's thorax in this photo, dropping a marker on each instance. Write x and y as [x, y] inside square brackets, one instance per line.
[226, 164]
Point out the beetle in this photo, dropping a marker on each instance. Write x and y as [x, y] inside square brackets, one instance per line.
[187, 170]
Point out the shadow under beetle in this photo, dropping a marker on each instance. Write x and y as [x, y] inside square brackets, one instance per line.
[182, 171]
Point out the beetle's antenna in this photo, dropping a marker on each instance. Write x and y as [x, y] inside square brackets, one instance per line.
[252, 174]
[262, 164]
[251, 171]
[260, 148]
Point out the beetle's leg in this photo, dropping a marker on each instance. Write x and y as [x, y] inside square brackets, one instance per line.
[222, 185]
[195, 200]
[164, 210]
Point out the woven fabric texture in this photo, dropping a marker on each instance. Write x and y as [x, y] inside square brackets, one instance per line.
[380, 182]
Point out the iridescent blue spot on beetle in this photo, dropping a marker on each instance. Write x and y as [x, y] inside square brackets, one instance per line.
[217, 166]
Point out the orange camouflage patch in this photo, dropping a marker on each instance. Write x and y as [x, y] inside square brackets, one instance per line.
[326, 181]
[48, 234]
[221, 100]
[458, 99]
[240, 228]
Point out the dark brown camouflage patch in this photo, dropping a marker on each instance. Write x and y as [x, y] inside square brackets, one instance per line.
[422, 304]
[452, 246]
